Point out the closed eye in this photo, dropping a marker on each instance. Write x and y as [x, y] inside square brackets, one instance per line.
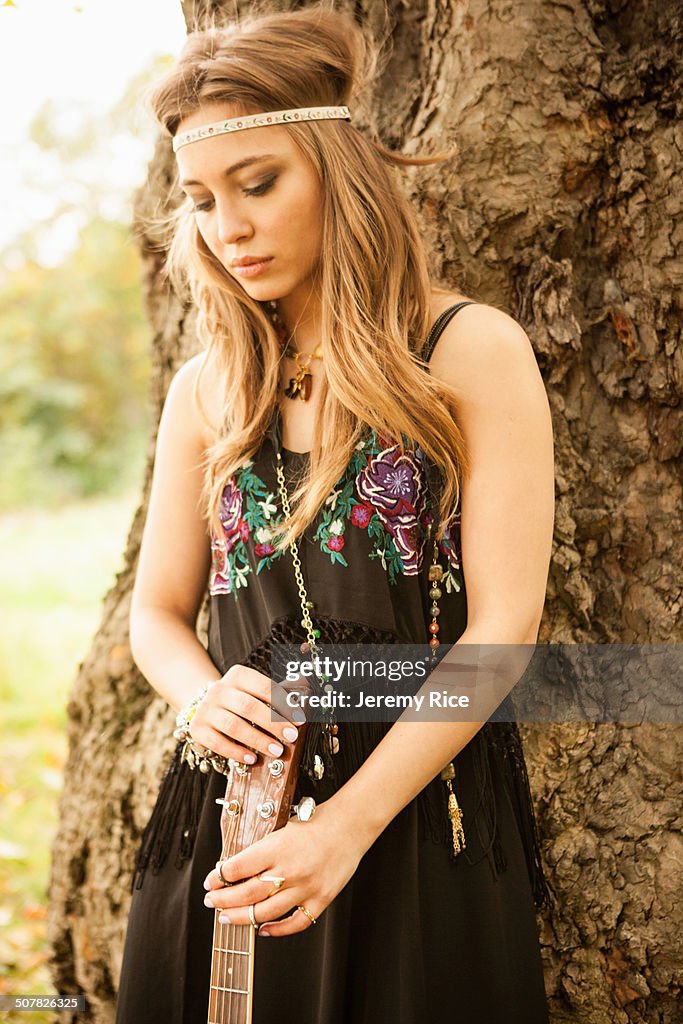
[256, 190]
[260, 190]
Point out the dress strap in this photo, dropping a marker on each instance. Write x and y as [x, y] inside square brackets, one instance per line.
[440, 325]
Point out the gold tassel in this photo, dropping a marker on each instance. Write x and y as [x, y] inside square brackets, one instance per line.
[454, 810]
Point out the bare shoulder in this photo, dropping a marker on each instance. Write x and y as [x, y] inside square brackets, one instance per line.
[195, 394]
[482, 347]
[442, 299]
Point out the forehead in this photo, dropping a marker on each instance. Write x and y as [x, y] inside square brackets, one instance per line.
[222, 150]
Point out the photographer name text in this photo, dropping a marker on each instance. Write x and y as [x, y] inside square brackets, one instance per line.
[361, 699]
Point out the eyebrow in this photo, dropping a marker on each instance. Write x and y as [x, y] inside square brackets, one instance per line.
[247, 162]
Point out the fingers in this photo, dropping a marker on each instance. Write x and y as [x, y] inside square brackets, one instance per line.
[271, 896]
[265, 690]
[266, 909]
[287, 698]
[295, 922]
[234, 721]
[287, 706]
[242, 731]
[254, 860]
[266, 913]
[217, 741]
[274, 729]
[252, 890]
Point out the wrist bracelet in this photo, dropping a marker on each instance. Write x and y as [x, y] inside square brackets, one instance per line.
[194, 754]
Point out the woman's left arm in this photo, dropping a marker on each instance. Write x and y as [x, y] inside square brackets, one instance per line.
[506, 538]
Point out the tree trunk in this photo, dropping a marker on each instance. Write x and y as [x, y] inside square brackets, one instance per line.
[564, 208]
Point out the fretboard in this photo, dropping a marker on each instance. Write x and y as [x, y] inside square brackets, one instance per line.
[232, 974]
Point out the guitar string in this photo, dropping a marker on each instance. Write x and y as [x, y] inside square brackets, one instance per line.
[232, 929]
[222, 943]
[223, 930]
[244, 985]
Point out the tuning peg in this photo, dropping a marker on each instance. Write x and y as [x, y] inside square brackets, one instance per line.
[304, 810]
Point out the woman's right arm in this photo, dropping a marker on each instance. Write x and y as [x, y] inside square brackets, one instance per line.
[173, 568]
[235, 717]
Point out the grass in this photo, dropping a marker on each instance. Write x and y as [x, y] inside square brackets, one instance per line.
[57, 565]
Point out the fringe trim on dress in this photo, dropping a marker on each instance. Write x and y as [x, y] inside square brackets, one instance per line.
[180, 800]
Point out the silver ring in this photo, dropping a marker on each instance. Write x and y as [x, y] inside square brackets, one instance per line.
[251, 915]
[219, 867]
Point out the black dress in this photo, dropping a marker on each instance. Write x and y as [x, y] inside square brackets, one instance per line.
[417, 934]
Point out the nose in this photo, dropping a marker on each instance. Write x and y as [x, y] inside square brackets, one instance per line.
[233, 225]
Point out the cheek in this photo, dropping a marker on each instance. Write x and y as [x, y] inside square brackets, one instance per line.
[303, 208]
[301, 221]
[205, 232]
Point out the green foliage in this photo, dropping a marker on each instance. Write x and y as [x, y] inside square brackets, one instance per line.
[47, 629]
[74, 367]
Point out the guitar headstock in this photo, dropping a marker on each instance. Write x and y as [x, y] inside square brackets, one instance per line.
[259, 797]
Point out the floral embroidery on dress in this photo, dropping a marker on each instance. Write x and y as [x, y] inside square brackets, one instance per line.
[449, 547]
[246, 506]
[382, 492]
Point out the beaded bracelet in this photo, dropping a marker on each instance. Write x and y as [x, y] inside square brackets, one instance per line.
[194, 754]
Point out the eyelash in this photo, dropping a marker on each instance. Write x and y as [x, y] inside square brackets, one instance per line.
[257, 190]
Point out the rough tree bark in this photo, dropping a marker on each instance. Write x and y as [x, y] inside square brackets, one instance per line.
[565, 209]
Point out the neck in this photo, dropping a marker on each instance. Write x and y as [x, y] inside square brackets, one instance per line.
[300, 316]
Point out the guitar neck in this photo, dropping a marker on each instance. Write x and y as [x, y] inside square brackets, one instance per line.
[257, 800]
[232, 974]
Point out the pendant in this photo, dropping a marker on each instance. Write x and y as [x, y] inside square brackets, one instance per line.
[300, 385]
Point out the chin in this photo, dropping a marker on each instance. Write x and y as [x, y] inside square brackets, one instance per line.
[266, 294]
[266, 291]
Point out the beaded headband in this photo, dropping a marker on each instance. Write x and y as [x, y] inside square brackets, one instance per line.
[238, 124]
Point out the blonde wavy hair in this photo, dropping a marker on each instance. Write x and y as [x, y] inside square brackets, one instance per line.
[373, 281]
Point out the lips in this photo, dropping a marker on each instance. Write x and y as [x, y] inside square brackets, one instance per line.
[248, 261]
[252, 269]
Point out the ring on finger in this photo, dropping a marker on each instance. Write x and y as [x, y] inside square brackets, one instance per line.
[277, 880]
[251, 915]
[309, 915]
[219, 868]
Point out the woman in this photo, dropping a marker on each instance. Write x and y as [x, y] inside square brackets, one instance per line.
[422, 510]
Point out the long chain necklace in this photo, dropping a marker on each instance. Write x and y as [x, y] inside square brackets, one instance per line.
[311, 645]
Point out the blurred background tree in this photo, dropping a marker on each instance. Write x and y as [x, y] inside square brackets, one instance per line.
[74, 341]
[74, 370]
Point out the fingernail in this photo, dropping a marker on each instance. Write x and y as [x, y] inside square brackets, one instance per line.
[275, 749]
[208, 901]
[250, 758]
[290, 734]
[207, 885]
[264, 934]
[224, 918]
[299, 716]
